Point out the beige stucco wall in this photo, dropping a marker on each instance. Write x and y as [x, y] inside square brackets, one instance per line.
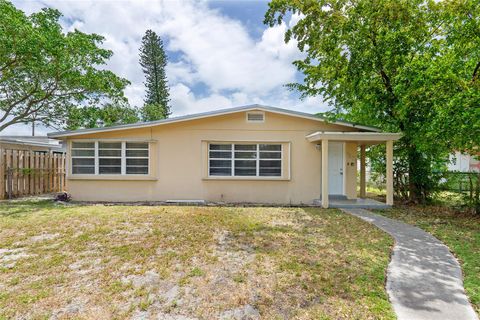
[351, 170]
[179, 163]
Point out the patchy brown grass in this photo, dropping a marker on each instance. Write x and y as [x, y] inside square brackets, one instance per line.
[103, 262]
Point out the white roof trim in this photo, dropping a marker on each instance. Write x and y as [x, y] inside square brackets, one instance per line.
[8, 140]
[62, 134]
[353, 136]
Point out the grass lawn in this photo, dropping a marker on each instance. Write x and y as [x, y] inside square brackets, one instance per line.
[120, 262]
[460, 232]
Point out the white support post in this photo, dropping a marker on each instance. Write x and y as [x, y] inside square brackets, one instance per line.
[325, 173]
[363, 178]
[389, 177]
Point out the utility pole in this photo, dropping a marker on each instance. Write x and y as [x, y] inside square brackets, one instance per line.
[33, 124]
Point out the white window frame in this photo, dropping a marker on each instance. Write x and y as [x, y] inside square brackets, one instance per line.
[123, 158]
[95, 159]
[257, 159]
[98, 156]
[269, 159]
[232, 163]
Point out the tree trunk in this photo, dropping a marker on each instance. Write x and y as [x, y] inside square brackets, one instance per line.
[418, 175]
[477, 195]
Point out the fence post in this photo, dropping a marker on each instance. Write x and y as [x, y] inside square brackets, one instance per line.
[64, 171]
[14, 168]
[55, 174]
[2, 174]
[21, 173]
[8, 164]
[49, 166]
[37, 173]
[42, 184]
[10, 182]
[63, 160]
[31, 178]
[50, 169]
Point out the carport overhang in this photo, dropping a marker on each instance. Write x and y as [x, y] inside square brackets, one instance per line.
[362, 139]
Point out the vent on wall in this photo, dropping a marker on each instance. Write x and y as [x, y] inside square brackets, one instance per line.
[255, 117]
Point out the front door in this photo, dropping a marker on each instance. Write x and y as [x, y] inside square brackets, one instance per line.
[335, 168]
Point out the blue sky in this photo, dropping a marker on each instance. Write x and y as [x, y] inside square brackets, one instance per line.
[220, 53]
[250, 13]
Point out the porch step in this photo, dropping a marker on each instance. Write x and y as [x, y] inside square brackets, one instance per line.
[337, 197]
[359, 205]
[344, 203]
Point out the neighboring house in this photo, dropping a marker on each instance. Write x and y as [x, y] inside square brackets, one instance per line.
[251, 154]
[461, 162]
[33, 143]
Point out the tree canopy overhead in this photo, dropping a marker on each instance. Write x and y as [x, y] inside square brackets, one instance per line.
[45, 72]
[108, 115]
[410, 66]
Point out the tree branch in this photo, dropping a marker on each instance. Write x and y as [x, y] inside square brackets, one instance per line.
[385, 78]
[475, 72]
[8, 64]
[23, 99]
[7, 124]
[28, 111]
[386, 82]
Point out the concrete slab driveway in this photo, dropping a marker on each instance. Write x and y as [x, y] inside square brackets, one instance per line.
[424, 280]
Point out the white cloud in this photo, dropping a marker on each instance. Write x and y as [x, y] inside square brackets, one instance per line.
[215, 52]
[181, 71]
[273, 43]
[186, 102]
[222, 52]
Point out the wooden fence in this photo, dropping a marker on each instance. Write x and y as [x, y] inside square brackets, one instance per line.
[25, 172]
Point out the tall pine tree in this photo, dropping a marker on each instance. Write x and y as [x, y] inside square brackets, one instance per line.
[153, 61]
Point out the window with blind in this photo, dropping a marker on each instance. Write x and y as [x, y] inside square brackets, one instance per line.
[136, 157]
[245, 160]
[110, 158]
[83, 157]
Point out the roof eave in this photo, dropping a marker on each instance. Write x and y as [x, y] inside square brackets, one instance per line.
[64, 134]
[353, 136]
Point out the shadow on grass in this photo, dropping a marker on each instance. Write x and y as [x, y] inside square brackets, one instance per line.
[22, 208]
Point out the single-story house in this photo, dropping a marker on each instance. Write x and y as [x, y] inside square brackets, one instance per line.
[464, 162]
[249, 154]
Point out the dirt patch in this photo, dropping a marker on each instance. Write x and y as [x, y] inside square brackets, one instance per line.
[9, 257]
[44, 237]
[246, 312]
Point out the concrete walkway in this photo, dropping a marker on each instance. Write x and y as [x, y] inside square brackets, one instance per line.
[424, 280]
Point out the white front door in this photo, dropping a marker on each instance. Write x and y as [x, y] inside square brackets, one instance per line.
[335, 168]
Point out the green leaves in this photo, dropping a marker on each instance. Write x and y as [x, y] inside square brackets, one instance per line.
[108, 115]
[44, 72]
[399, 65]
